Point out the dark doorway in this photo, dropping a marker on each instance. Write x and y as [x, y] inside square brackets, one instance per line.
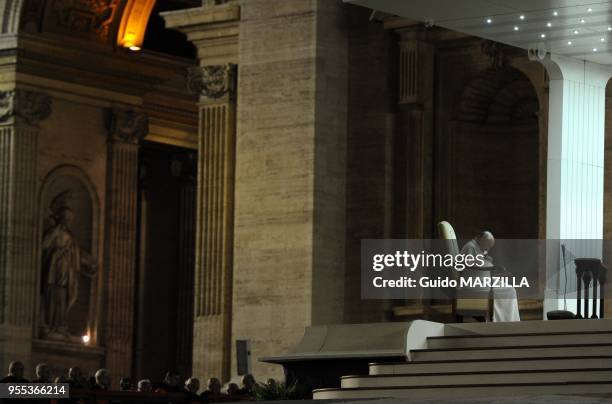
[493, 160]
[166, 240]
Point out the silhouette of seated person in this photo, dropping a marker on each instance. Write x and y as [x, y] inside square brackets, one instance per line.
[43, 374]
[248, 382]
[233, 390]
[15, 373]
[103, 380]
[125, 384]
[213, 389]
[170, 384]
[192, 386]
[145, 386]
[76, 380]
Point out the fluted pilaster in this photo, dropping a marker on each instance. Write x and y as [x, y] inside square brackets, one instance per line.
[126, 128]
[20, 114]
[215, 221]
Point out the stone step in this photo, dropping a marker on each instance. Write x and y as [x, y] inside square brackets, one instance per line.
[418, 367]
[478, 378]
[511, 352]
[445, 392]
[529, 327]
[504, 340]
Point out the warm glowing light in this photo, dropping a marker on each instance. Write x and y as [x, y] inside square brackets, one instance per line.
[86, 339]
[134, 48]
[134, 23]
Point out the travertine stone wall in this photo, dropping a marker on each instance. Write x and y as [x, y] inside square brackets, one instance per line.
[290, 173]
[370, 127]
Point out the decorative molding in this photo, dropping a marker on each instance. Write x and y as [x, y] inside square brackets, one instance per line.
[213, 82]
[127, 125]
[29, 106]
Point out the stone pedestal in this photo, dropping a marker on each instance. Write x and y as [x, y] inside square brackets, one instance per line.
[126, 128]
[20, 113]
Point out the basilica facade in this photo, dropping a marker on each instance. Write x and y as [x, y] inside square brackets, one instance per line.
[179, 175]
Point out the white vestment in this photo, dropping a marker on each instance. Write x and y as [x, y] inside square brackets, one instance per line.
[505, 302]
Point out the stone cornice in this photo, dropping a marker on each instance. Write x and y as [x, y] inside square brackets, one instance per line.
[29, 107]
[212, 29]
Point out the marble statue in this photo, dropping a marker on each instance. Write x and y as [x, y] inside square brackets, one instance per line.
[63, 262]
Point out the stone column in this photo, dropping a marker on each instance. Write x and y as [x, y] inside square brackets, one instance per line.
[413, 144]
[213, 29]
[20, 114]
[126, 128]
[215, 219]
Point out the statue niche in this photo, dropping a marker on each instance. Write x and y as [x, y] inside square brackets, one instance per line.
[68, 268]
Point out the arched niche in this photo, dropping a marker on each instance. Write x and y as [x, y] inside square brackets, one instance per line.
[494, 156]
[71, 183]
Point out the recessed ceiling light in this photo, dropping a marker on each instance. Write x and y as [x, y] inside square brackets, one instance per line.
[543, 36]
[576, 32]
[569, 42]
[582, 21]
[602, 39]
[548, 24]
[594, 49]
[489, 21]
[522, 17]
[609, 28]
[589, 9]
[516, 28]
[555, 13]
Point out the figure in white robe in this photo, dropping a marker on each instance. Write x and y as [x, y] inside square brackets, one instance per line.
[505, 302]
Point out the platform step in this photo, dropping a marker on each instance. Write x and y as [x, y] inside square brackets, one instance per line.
[418, 367]
[445, 392]
[511, 352]
[478, 378]
[504, 340]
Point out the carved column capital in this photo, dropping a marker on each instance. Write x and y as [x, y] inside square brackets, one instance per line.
[213, 82]
[31, 107]
[127, 125]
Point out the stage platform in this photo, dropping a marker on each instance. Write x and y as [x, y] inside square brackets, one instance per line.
[447, 361]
